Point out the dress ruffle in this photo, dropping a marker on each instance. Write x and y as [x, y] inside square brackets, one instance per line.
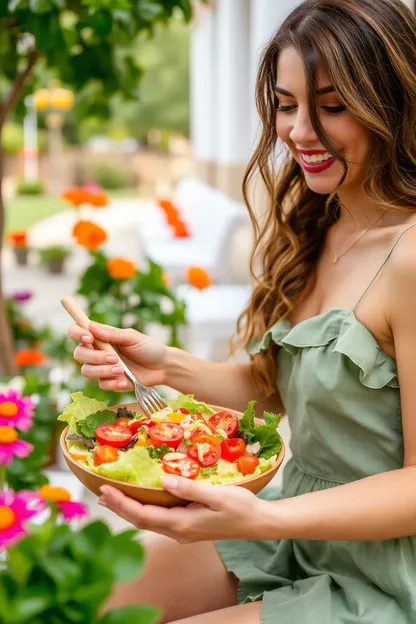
[349, 337]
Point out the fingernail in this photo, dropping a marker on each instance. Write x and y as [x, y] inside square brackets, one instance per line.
[105, 489]
[117, 370]
[170, 482]
[101, 501]
[86, 339]
[122, 384]
[111, 359]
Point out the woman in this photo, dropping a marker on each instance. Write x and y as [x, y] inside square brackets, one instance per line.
[332, 318]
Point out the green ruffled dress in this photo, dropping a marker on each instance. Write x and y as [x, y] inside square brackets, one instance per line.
[342, 397]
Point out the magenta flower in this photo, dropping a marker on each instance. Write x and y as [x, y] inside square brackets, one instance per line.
[16, 410]
[62, 499]
[22, 295]
[15, 510]
[11, 447]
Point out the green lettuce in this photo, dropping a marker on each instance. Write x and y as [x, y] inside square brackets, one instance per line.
[79, 409]
[134, 466]
[188, 402]
[266, 433]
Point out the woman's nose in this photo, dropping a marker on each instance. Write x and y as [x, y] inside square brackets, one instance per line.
[302, 132]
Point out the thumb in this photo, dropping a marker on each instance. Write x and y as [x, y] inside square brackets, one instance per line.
[114, 335]
[204, 493]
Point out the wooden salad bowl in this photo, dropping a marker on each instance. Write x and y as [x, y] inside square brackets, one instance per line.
[152, 495]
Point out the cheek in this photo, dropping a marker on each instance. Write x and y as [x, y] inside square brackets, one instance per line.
[283, 128]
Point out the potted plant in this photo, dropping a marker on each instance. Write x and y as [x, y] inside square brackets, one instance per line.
[18, 242]
[54, 258]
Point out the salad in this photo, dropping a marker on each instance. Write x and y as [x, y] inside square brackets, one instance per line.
[188, 439]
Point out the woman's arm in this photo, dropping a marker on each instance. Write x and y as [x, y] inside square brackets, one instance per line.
[382, 506]
[229, 384]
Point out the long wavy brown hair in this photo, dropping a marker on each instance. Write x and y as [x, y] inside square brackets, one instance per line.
[368, 48]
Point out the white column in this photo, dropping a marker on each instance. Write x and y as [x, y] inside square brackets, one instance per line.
[202, 85]
[265, 18]
[232, 81]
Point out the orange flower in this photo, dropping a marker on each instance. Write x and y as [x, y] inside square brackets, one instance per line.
[180, 229]
[98, 200]
[29, 357]
[89, 234]
[18, 238]
[199, 278]
[121, 269]
[76, 196]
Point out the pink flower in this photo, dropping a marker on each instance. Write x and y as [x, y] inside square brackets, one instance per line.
[15, 509]
[16, 410]
[11, 447]
[62, 499]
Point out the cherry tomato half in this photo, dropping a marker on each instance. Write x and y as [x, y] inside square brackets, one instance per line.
[225, 420]
[105, 455]
[231, 450]
[182, 466]
[247, 464]
[166, 433]
[113, 435]
[205, 449]
[183, 410]
[135, 425]
[123, 421]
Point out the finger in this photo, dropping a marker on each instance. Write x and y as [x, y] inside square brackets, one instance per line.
[143, 516]
[101, 372]
[188, 489]
[115, 385]
[80, 335]
[83, 355]
[114, 335]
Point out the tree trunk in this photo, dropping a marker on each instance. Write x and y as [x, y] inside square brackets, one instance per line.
[7, 362]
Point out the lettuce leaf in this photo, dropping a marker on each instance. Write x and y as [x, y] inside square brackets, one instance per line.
[79, 409]
[134, 466]
[88, 426]
[188, 402]
[266, 434]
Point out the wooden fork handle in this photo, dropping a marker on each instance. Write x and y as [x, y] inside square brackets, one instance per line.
[83, 321]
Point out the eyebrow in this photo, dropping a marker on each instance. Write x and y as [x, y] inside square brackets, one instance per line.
[321, 91]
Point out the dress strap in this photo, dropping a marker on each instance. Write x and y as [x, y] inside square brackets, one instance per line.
[384, 262]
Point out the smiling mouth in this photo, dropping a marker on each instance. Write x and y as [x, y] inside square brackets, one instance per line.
[315, 161]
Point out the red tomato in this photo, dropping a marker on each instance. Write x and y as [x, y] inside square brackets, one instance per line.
[183, 466]
[113, 435]
[232, 449]
[227, 421]
[105, 455]
[211, 454]
[183, 410]
[141, 422]
[166, 433]
[123, 421]
[247, 464]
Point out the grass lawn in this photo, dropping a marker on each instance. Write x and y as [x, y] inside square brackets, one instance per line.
[22, 212]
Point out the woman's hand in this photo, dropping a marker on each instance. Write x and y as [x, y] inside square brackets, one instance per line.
[218, 512]
[145, 356]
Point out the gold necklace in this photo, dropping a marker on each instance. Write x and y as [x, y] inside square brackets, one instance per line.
[338, 256]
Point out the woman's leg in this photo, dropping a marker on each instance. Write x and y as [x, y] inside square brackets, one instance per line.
[182, 579]
[243, 614]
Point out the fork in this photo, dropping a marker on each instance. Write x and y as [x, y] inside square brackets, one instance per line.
[149, 400]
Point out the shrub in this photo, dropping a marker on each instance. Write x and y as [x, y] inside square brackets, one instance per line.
[30, 187]
[110, 176]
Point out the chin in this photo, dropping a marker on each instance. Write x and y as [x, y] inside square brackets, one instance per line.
[321, 185]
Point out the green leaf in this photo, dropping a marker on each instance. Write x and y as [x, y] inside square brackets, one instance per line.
[267, 435]
[62, 570]
[90, 539]
[128, 615]
[126, 556]
[246, 423]
[88, 426]
[20, 564]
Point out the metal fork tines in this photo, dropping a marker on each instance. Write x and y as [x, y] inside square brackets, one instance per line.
[149, 400]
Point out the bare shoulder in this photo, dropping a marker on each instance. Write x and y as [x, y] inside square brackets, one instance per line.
[401, 276]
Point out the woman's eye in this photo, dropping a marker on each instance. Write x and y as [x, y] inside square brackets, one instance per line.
[333, 110]
[285, 109]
